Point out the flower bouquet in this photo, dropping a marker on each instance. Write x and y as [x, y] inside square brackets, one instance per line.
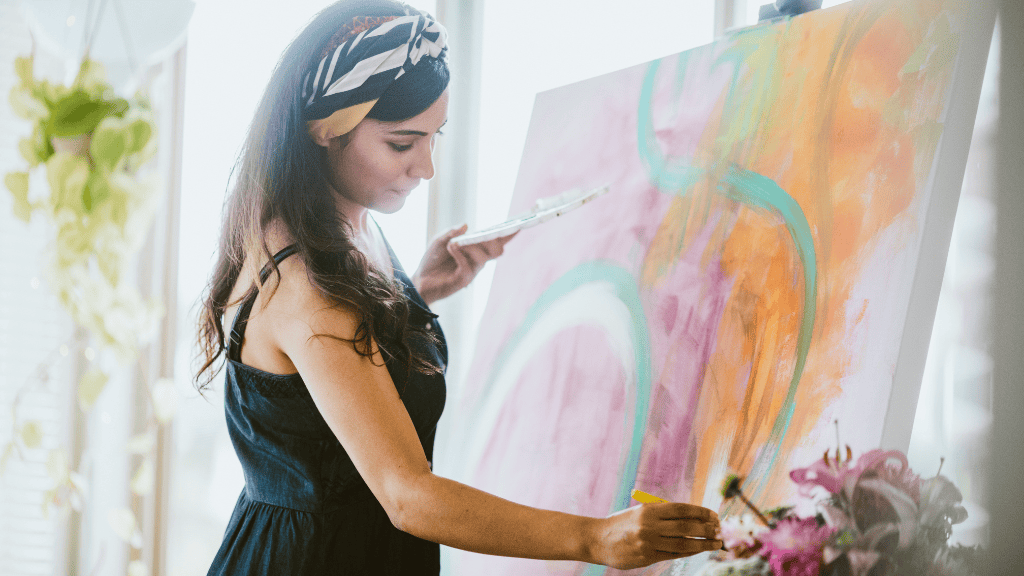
[874, 517]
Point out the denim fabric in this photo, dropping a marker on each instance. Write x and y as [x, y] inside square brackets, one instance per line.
[305, 509]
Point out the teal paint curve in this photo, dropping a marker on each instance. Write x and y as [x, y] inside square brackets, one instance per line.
[751, 189]
[755, 189]
[626, 290]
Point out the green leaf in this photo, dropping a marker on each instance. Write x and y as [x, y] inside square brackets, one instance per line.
[43, 148]
[139, 131]
[26, 105]
[118, 107]
[51, 93]
[78, 113]
[120, 194]
[28, 151]
[75, 114]
[17, 183]
[67, 175]
[23, 68]
[32, 434]
[6, 456]
[109, 144]
[90, 387]
[97, 191]
[92, 76]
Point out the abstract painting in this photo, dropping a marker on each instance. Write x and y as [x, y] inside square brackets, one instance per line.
[743, 286]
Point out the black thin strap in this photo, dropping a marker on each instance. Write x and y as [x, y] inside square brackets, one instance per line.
[403, 279]
[242, 316]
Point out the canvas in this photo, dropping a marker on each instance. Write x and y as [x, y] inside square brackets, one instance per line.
[744, 285]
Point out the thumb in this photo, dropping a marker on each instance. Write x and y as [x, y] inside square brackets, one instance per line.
[452, 233]
[458, 230]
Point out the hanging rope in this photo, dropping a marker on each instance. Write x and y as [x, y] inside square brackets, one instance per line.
[126, 37]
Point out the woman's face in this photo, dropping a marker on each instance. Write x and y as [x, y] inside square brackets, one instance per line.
[378, 164]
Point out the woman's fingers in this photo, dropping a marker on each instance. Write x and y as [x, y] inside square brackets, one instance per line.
[689, 529]
[459, 255]
[683, 511]
[685, 546]
[477, 253]
[446, 237]
[474, 256]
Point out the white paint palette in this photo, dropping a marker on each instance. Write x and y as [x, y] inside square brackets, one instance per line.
[544, 209]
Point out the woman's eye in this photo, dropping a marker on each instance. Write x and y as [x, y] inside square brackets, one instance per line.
[400, 147]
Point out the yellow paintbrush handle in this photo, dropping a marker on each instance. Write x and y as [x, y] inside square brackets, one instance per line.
[644, 497]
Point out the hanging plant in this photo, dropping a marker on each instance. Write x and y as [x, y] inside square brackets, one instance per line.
[91, 144]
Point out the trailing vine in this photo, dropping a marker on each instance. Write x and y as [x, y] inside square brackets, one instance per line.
[91, 145]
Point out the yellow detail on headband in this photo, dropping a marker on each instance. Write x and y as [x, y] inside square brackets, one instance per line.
[340, 122]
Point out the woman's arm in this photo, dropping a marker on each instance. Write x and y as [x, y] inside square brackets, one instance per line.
[445, 511]
[359, 401]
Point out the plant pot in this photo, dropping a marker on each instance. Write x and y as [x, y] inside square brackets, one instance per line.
[76, 145]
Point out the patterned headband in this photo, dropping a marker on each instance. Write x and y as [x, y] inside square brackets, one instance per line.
[350, 79]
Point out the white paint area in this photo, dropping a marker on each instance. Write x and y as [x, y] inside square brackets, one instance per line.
[595, 304]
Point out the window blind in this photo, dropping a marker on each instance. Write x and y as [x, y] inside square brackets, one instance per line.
[34, 368]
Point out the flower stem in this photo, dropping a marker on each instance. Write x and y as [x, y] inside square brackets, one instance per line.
[754, 508]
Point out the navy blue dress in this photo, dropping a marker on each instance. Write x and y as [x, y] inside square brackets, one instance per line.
[305, 509]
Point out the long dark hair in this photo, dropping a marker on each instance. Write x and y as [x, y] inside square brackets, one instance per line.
[281, 174]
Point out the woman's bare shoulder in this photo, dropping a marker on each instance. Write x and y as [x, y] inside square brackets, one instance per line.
[301, 309]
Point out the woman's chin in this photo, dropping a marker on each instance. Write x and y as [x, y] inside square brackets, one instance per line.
[390, 205]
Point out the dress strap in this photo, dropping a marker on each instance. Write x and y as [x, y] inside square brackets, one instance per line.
[242, 317]
[411, 294]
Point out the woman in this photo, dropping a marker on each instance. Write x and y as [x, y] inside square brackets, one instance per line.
[335, 364]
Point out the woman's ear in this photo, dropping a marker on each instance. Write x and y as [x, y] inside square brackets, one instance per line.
[337, 143]
[319, 138]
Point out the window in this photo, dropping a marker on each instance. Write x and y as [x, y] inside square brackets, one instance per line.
[34, 367]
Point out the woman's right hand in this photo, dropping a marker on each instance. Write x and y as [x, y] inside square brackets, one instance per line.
[650, 533]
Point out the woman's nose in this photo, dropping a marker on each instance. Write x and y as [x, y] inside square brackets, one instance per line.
[423, 163]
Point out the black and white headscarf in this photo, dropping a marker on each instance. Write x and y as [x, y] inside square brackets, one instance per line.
[350, 79]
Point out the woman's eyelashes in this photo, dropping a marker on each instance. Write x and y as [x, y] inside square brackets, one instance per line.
[403, 147]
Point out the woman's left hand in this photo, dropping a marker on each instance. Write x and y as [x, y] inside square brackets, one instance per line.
[447, 268]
